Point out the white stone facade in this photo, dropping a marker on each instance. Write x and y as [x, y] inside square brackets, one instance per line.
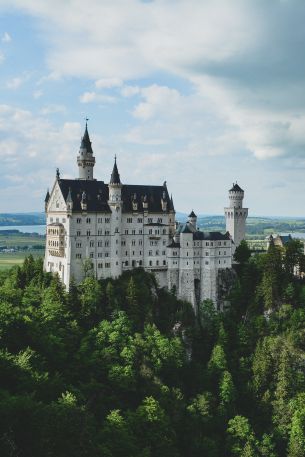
[120, 227]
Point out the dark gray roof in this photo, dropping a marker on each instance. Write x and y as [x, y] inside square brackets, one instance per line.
[139, 193]
[97, 194]
[192, 214]
[236, 188]
[47, 196]
[217, 236]
[285, 238]
[186, 229]
[115, 176]
[86, 143]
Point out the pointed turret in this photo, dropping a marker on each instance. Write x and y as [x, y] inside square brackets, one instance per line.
[46, 200]
[115, 175]
[86, 143]
[85, 159]
[193, 219]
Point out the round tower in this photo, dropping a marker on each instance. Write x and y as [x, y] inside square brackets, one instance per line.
[236, 215]
[85, 159]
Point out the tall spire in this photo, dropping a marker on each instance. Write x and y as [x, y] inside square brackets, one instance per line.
[86, 143]
[85, 159]
[115, 176]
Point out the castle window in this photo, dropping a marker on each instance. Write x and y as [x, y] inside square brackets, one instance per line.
[78, 245]
[133, 232]
[133, 252]
[133, 263]
[224, 252]
[150, 253]
[187, 263]
[140, 252]
[211, 243]
[100, 265]
[150, 220]
[91, 255]
[123, 243]
[140, 232]
[116, 252]
[107, 220]
[117, 230]
[91, 244]
[126, 252]
[224, 243]
[187, 244]
[99, 220]
[219, 261]
[88, 220]
[224, 261]
[100, 232]
[150, 231]
[157, 252]
[219, 252]
[78, 233]
[107, 243]
[206, 262]
[88, 232]
[157, 262]
[78, 256]
[163, 252]
[57, 219]
[107, 232]
[51, 219]
[107, 265]
[207, 253]
[140, 262]
[207, 243]
[64, 220]
[129, 220]
[156, 232]
[78, 220]
[164, 262]
[133, 242]
[150, 263]
[140, 242]
[106, 254]
[164, 232]
[100, 244]
[126, 263]
[219, 243]
[140, 220]
[100, 254]
[126, 231]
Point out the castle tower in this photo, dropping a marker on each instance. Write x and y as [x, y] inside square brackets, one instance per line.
[85, 159]
[236, 215]
[115, 202]
[193, 219]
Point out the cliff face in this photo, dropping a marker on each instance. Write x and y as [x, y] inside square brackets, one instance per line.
[225, 280]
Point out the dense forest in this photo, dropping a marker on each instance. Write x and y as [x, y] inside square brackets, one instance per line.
[122, 368]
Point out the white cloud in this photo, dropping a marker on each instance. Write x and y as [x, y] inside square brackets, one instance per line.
[37, 94]
[2, 57]
[89, 97]
[53, 108]
[130, 91]
[108, 83]
[15, 83]
[6, 38]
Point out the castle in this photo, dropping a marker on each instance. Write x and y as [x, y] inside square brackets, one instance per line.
[111, 228]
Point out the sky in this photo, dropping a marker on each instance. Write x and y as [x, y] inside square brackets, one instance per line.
[200, 93]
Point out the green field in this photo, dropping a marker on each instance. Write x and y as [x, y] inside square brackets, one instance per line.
[9, 259]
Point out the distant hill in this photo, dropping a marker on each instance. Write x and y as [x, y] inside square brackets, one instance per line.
[22, 219]
[255, 225]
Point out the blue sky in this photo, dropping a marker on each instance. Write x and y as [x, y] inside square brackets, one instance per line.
[200, 93]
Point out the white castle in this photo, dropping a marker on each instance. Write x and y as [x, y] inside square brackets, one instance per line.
[111, 228]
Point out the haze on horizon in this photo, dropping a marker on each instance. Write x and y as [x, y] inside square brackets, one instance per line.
[220, 102]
